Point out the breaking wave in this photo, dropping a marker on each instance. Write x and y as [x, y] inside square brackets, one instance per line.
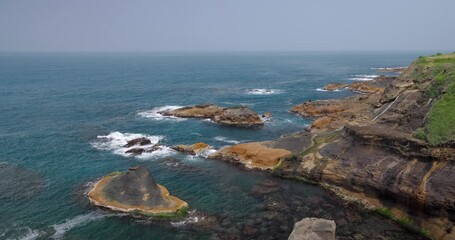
[116, 142]
[263, 91]
[226, 140]
[156, 115]
[363, 77]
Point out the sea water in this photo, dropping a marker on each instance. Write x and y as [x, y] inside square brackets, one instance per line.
[65, 117]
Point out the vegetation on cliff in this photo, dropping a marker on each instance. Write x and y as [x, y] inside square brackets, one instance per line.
[436, 77]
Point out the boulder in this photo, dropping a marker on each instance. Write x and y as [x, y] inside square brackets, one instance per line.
[135, 192]
[313, 229]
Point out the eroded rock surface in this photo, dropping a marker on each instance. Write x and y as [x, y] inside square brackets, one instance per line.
[193, 149]
[313, 229]
[252, 155]
[135, 192]
[230, 116]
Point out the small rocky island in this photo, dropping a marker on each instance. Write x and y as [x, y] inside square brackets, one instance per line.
[229, 116]
[135, 192]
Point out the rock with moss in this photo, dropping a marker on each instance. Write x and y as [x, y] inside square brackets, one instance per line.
[136, 192]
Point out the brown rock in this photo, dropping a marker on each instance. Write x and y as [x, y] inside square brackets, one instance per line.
[252, 155]
[334, 86]
[321, 122]
[363, 87]
[266, 115]
[134, 192]
[232, 116]
[192, 149]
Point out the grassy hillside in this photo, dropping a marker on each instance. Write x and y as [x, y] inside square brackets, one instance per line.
[436, 76]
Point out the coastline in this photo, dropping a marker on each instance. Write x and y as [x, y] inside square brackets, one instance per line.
[363, 148]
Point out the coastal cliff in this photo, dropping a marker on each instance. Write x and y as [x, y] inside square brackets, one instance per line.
[391, 147]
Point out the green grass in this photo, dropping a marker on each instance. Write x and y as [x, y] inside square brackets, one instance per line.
[420, 133]
[441, 119]
[438, 74]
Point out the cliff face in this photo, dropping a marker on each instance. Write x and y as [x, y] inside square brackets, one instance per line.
[398, 147]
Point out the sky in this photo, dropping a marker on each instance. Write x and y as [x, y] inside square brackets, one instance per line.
[228, 25]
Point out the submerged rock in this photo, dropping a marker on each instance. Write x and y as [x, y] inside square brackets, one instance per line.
[192, 149]
[231, 116]
[313, 229]
[135, 192]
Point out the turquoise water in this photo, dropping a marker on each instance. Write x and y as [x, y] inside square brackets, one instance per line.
[54, 106]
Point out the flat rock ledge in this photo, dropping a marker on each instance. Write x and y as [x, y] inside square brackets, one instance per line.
[252, 155]
[193, 149]
[229, 116]
[135, 191]
[313, 229]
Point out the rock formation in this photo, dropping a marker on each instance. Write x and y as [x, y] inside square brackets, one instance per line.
[193, 149]
[138, 141]
[252, 155]
[230, 116]
[313, 229]
[395, 143]
[135, 192]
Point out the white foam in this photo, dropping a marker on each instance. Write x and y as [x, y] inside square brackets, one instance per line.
[162, 151]
[156, 115]
[263, 91]
[194, 217]
[388, 68]
[30, 235]
[363, 77]
[226, 140]
[61, 229]
[116, 141]
[206, 152]
[325, 90]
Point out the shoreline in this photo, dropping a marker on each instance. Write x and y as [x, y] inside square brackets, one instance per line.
[363, 149]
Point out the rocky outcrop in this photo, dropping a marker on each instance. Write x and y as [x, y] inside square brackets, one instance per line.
[361, 87]
[230, 116]
[391, 69]
[378, 163]
[252, 155]
[193, 149]
[334, 86]
[135, 192]
[313, 229]
[333, 114]
[138, 141]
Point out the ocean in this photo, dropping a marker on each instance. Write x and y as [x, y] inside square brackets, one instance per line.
[56, 107]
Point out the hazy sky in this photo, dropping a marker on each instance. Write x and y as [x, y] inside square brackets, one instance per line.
[228, 25]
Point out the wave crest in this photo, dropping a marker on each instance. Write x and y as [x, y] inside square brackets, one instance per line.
[263, 91]
[155, 113]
